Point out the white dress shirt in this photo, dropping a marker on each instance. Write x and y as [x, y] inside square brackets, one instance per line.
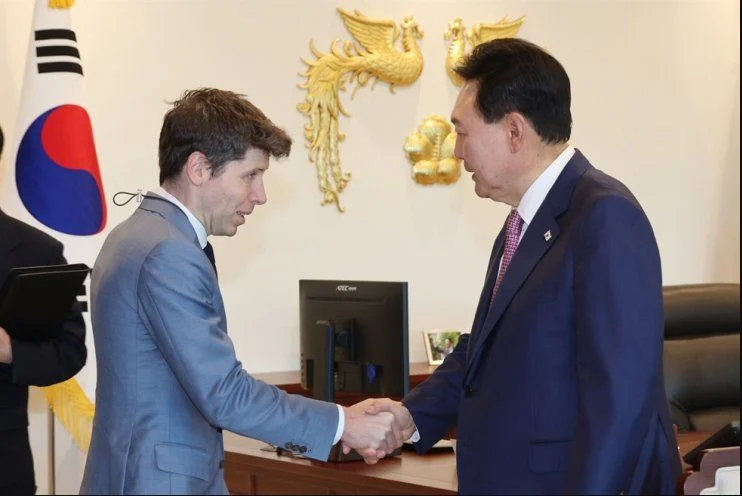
[536, 193]
[197, 226]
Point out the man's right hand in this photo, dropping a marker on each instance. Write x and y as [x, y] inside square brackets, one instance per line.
[6, 352]
[372, 436]
[404, 426]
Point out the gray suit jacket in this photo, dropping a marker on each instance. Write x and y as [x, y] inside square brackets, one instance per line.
[168, 379]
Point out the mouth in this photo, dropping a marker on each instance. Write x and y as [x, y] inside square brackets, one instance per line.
[242, 214]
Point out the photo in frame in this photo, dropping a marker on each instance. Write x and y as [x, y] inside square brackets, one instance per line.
[440, 343]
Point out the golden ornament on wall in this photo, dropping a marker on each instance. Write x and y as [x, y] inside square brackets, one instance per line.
[430, 151]
[373, 56]
[462, 42]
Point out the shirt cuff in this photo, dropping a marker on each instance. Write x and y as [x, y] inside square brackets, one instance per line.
[341, 425]
[415, 437]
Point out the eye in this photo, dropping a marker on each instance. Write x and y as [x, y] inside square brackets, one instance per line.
[252, 175]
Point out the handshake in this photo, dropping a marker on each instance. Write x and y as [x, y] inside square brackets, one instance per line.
[376, 427]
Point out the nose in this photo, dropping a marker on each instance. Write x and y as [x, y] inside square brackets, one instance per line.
[458, 150]
[258, 196]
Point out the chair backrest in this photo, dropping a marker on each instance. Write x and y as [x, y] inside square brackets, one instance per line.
[702, 355]
[701, 310]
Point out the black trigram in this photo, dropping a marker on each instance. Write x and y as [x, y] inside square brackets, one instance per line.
[56, 44]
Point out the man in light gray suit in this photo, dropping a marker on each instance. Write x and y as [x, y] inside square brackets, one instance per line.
[168, 377]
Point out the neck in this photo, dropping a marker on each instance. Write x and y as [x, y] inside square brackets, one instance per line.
[538, 162]
[185, 196]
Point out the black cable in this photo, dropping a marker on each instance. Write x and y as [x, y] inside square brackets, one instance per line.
[138, 195]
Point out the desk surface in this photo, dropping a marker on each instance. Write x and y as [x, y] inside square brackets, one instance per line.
[408, 473]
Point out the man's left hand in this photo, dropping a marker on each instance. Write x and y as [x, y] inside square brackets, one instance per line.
[6, 352]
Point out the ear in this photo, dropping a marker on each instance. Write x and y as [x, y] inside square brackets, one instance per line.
[197, 168]
[516, 126]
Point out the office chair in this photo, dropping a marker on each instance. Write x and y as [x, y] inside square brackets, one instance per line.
[702, 355]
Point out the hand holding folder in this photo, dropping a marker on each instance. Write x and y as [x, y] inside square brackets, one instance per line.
[34, 301]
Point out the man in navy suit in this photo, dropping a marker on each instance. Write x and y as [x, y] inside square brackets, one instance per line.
[559, 387]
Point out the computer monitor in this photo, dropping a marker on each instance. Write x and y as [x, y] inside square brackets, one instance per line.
[354, 338]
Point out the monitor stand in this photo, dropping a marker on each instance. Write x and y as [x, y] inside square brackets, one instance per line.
[324, 380]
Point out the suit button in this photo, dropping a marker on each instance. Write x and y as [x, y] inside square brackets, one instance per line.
[468, 391]
[302, 449]
[221, 464]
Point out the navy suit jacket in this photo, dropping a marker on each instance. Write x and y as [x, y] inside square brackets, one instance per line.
[559, 388]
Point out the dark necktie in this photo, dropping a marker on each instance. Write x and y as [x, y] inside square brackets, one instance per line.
[209, 251]
[513, 228]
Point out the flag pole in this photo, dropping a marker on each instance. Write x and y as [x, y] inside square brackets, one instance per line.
[52, 455]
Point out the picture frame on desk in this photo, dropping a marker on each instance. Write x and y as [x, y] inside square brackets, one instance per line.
[439, 343]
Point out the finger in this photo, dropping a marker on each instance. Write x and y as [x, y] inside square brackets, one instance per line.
[391, 440]
[371, 451]
[377, 405]
[399, 434]
[369, 454]
[384, 430]
[371, 407]
[346, 449]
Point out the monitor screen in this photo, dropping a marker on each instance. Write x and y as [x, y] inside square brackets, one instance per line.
[354, 338]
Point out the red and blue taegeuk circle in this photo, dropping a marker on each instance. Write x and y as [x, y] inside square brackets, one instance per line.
[57, 172]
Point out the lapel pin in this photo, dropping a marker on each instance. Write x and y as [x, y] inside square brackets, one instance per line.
[547, 235]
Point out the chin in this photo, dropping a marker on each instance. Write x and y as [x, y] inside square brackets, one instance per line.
[480, 191]
[227, 231]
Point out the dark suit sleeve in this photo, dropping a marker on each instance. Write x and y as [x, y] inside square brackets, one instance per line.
[618, 321]
[42, 363]
[434, 404]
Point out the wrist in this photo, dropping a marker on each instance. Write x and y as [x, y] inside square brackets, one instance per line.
[6, 350]
[6, 353]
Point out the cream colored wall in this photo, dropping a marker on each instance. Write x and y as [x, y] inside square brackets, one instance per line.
[655, 103]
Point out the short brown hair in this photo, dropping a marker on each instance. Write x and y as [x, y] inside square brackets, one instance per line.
[222, 125]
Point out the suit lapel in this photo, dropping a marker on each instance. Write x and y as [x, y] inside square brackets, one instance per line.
[489, 283]
[531, 249]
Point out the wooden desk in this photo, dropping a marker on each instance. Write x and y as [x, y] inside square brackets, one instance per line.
[248, 470]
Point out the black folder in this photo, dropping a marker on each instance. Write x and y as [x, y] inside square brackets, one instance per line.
[34, 301]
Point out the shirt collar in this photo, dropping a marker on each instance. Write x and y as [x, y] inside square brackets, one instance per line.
[536, 194]
[197, 226]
